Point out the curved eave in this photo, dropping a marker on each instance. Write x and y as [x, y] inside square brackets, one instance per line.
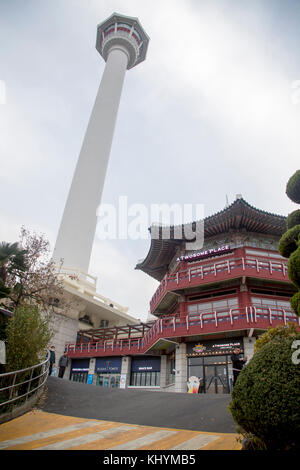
[155, 263]
[238, 216]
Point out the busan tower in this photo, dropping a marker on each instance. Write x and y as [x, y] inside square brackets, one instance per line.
[123, 43]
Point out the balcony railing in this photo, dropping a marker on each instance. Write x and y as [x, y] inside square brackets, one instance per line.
[209, 271]
[252, 316]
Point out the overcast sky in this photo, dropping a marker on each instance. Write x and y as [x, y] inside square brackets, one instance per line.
[213, 111]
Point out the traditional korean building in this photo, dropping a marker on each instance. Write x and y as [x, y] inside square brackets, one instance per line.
[207, 302]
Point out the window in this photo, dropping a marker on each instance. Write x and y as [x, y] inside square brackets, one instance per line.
[145, 379]
[265, 254]
[217, 305]
[265, 303]
[212, 295]
[271, 302]
[79, 376]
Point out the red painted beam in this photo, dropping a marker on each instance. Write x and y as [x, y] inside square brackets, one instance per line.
[172, 328]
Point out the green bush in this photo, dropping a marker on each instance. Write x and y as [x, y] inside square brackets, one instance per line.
[289, 244]
[295, 303]
[280, 331]
[28, 336]
[294, 267]
[293, 187]
[266, 399]
[289, 241]
[293, 219]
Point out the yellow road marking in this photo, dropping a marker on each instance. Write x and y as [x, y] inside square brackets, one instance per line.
[36, 422]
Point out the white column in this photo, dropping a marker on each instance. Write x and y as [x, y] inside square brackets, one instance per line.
[92, 367]
[163, 371]
[77, 230]
[181, 368]
[249, 347]
[126, 369]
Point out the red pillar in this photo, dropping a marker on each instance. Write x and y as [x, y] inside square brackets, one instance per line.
[182, 309]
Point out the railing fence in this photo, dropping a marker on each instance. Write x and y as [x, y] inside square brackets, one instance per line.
[18, 386]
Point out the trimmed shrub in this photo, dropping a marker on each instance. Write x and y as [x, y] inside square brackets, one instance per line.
[289, 241]
[293, 187]
[280, 331]
[293, 219]
[295, 303]
[266, 399]
[294, 267]
[289, 244]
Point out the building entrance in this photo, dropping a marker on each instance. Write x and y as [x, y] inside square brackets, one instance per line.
[216, 378]
[213, 372]
[108, 380]
[210, 362]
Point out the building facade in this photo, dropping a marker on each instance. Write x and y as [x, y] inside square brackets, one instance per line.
[81, 308]
[208, 302]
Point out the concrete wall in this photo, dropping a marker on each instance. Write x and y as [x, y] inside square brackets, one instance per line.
[65, 331]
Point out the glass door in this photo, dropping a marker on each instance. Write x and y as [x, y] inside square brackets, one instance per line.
[106, 380]
[216, 375]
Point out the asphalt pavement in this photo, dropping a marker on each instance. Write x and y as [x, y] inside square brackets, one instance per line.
[196, 412]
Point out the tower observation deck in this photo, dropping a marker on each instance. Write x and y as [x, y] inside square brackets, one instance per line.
[123, 43]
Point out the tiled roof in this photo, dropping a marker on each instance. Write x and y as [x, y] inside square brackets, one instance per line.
[240, 215]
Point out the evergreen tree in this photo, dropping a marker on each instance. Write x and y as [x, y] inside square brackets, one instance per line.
[289, 244]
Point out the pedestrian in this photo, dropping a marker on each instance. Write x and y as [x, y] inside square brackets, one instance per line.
[238, 363]
[201, 385]
[63, 363]
[52, 359]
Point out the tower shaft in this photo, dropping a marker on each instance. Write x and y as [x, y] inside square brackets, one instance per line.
[77, 230]
[123, 44]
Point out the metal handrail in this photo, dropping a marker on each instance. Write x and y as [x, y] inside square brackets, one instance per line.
[42, 377]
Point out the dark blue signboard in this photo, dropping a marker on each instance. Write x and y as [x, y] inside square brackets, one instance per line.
[108, 364]
[80, 365]
[145, 364]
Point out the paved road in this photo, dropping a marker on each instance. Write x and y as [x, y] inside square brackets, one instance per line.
[203, 412]
[75, 416]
